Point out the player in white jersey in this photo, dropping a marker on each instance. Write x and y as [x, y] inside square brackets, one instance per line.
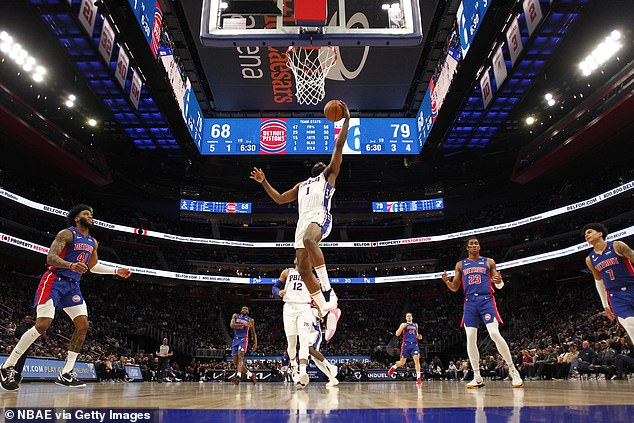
[313, 197]
[298, 319]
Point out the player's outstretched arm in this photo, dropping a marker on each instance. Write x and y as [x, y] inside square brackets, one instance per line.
[332, 170]
[286, 197]
[98, 268]
[600, 286]
[454, 284]
[399, 331]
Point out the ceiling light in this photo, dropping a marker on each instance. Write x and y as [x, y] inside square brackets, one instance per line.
[548, 96]
[530, 120]
[551, 102]
[92, 122]
[37, 77]
[72, 97]
[69, 103]
[40, 69]
[4, 36]
[615, 35]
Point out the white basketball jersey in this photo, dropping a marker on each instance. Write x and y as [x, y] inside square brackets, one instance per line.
[296, 290]
[314, 194]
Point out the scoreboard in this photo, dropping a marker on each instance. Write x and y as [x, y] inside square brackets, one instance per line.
[214, 206]
[408, 206]
[308, 136]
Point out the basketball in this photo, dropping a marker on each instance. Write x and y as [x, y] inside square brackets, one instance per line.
[333, 111]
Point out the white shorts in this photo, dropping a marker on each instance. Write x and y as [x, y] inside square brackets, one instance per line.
[48, 310]
[315, 339]
[319, 217]
[297, 318]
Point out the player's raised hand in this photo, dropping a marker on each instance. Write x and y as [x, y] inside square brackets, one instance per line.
[445, 277]
[257, 175]
[346, 112]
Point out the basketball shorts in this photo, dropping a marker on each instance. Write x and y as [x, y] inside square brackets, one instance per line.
[298, 318]
[53, 292]
[478, 308]
[239, 345]
[622, 302]
[409, 349]
[320, 217]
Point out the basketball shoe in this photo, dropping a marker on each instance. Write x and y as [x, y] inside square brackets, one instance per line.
[7, 379]
[476, 383]
[331, 323]
[69, 379]
[390, 372]
[517, 381]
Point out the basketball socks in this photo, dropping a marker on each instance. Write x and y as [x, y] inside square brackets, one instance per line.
[322, 274]
[320, 300]
[23, 344]
[472, 351]
[302, 369]
[70, 362]
[248, 373]
[417, 375]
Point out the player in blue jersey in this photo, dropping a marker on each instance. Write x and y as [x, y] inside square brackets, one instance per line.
[314, 223]
[409, 347]
[72, 253]
[478, 275]
[242, 324]
[611, 265]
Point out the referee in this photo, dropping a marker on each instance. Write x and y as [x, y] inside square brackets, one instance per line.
[164, 352]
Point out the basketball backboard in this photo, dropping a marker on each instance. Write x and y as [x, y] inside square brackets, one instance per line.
[348, 23]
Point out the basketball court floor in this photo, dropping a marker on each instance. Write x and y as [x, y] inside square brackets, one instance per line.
[372, 402]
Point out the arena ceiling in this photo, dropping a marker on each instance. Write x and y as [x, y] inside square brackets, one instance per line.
[157, 137]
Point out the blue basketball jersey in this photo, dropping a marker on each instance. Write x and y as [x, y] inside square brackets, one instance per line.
[79, 250]
[616, 271]
[476, 276]
[243, 332]
[410, 333]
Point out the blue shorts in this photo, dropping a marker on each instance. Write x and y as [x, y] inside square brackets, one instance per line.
[64, 293]
[239, 345]
[622, 302]
[479, 307]
[409, 349]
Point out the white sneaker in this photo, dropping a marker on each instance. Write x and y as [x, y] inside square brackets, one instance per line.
[302, 381]
[475, 383]
[332, 382]
[332, 377]
[517, 381]
[294, 374]
[331, 323]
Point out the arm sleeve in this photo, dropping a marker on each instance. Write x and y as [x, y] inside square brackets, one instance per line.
[103, 270]
[279, 285]
[602, 292]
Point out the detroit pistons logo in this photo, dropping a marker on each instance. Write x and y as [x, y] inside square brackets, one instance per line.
[76, 298]
[273, 136]
[487, 317]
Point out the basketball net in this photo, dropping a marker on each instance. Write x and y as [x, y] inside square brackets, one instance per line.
[310, 65]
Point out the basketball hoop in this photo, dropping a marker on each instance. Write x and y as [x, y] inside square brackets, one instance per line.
[310, 65]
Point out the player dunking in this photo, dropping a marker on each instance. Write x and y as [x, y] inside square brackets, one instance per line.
[478, 275]
[611, 265]
[314, 224]
[409, 348]
[241, 324]
[72, 253]
[297, 319]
